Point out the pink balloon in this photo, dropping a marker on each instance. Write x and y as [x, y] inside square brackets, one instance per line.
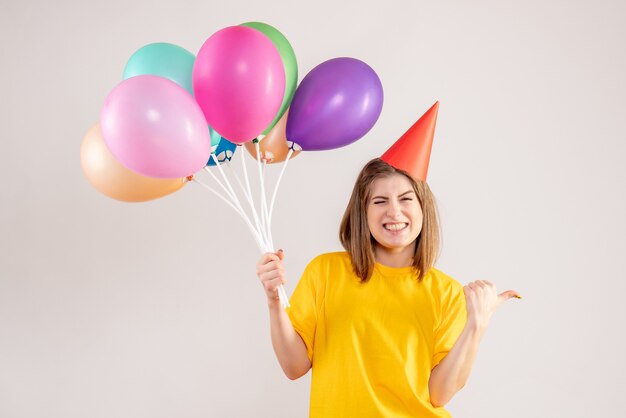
[154, 127]
[239, 82]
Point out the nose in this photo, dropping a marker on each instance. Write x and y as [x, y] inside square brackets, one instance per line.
[393, 209]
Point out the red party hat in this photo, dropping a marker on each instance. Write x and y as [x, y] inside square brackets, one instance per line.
[412, 151]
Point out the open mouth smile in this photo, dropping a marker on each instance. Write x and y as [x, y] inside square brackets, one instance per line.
[396, 226]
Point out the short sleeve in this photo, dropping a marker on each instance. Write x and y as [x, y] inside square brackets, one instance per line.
[454, 317]
[304, 305]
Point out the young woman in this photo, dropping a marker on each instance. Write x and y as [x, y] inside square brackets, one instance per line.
[385, 333]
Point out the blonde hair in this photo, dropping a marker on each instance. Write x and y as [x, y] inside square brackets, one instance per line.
[354, 232]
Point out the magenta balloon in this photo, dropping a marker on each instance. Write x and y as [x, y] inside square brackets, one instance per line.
[239, 82]
[337, 103]
[154, 127]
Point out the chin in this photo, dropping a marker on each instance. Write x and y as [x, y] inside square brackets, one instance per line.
[393, 246]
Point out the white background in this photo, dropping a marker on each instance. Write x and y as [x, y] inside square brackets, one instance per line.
[153, 310]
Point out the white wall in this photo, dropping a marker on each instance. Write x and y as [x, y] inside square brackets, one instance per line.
[153, 310]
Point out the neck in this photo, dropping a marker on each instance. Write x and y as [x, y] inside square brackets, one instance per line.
[393, 257]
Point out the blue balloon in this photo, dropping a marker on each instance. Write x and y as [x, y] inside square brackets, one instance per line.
[224, 152]
[164, 60]
[215, 137]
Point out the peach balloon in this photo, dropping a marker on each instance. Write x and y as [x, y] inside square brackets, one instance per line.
[111, 178]
[274, 146]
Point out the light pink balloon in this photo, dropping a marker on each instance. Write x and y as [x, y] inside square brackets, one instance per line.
[154, 127]
[239, 82]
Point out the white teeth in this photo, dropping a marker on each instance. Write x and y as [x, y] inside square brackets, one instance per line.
[395, 227]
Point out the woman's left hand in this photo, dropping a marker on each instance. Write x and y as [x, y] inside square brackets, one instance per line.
[482, 300]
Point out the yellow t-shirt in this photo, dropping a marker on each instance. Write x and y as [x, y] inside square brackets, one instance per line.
[373, 345]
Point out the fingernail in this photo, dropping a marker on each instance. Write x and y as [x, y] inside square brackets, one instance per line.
[281, 250]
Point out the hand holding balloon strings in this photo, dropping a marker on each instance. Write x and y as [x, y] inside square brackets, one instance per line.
[341, 123]
[160, 124]
[236, 67]
[261, 230]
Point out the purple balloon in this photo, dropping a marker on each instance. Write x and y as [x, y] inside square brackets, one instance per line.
[337, 103]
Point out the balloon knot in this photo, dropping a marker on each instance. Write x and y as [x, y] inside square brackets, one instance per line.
[189, 178]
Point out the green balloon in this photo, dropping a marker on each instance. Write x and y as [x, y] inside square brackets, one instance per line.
[289, 63]
[165, 60]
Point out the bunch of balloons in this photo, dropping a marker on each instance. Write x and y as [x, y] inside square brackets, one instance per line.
[175, 114]
[173, 109]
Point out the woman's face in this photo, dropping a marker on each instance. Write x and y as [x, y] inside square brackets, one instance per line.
[394, 214]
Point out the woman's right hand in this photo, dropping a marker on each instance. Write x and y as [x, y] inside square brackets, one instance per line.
[270, 271]
[289, 347]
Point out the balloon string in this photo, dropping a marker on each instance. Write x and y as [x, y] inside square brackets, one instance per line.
[218, 182]
[263, 161]
[282, 171]
[230, 188]
[282, 294]
[249, 192]
[243, 216]
[236, 199]
[266, 212]
[232, 192]
[246, 194]
[232, 170]
[263, 199]
[254, 211]
[261, 182]
[257, 232]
